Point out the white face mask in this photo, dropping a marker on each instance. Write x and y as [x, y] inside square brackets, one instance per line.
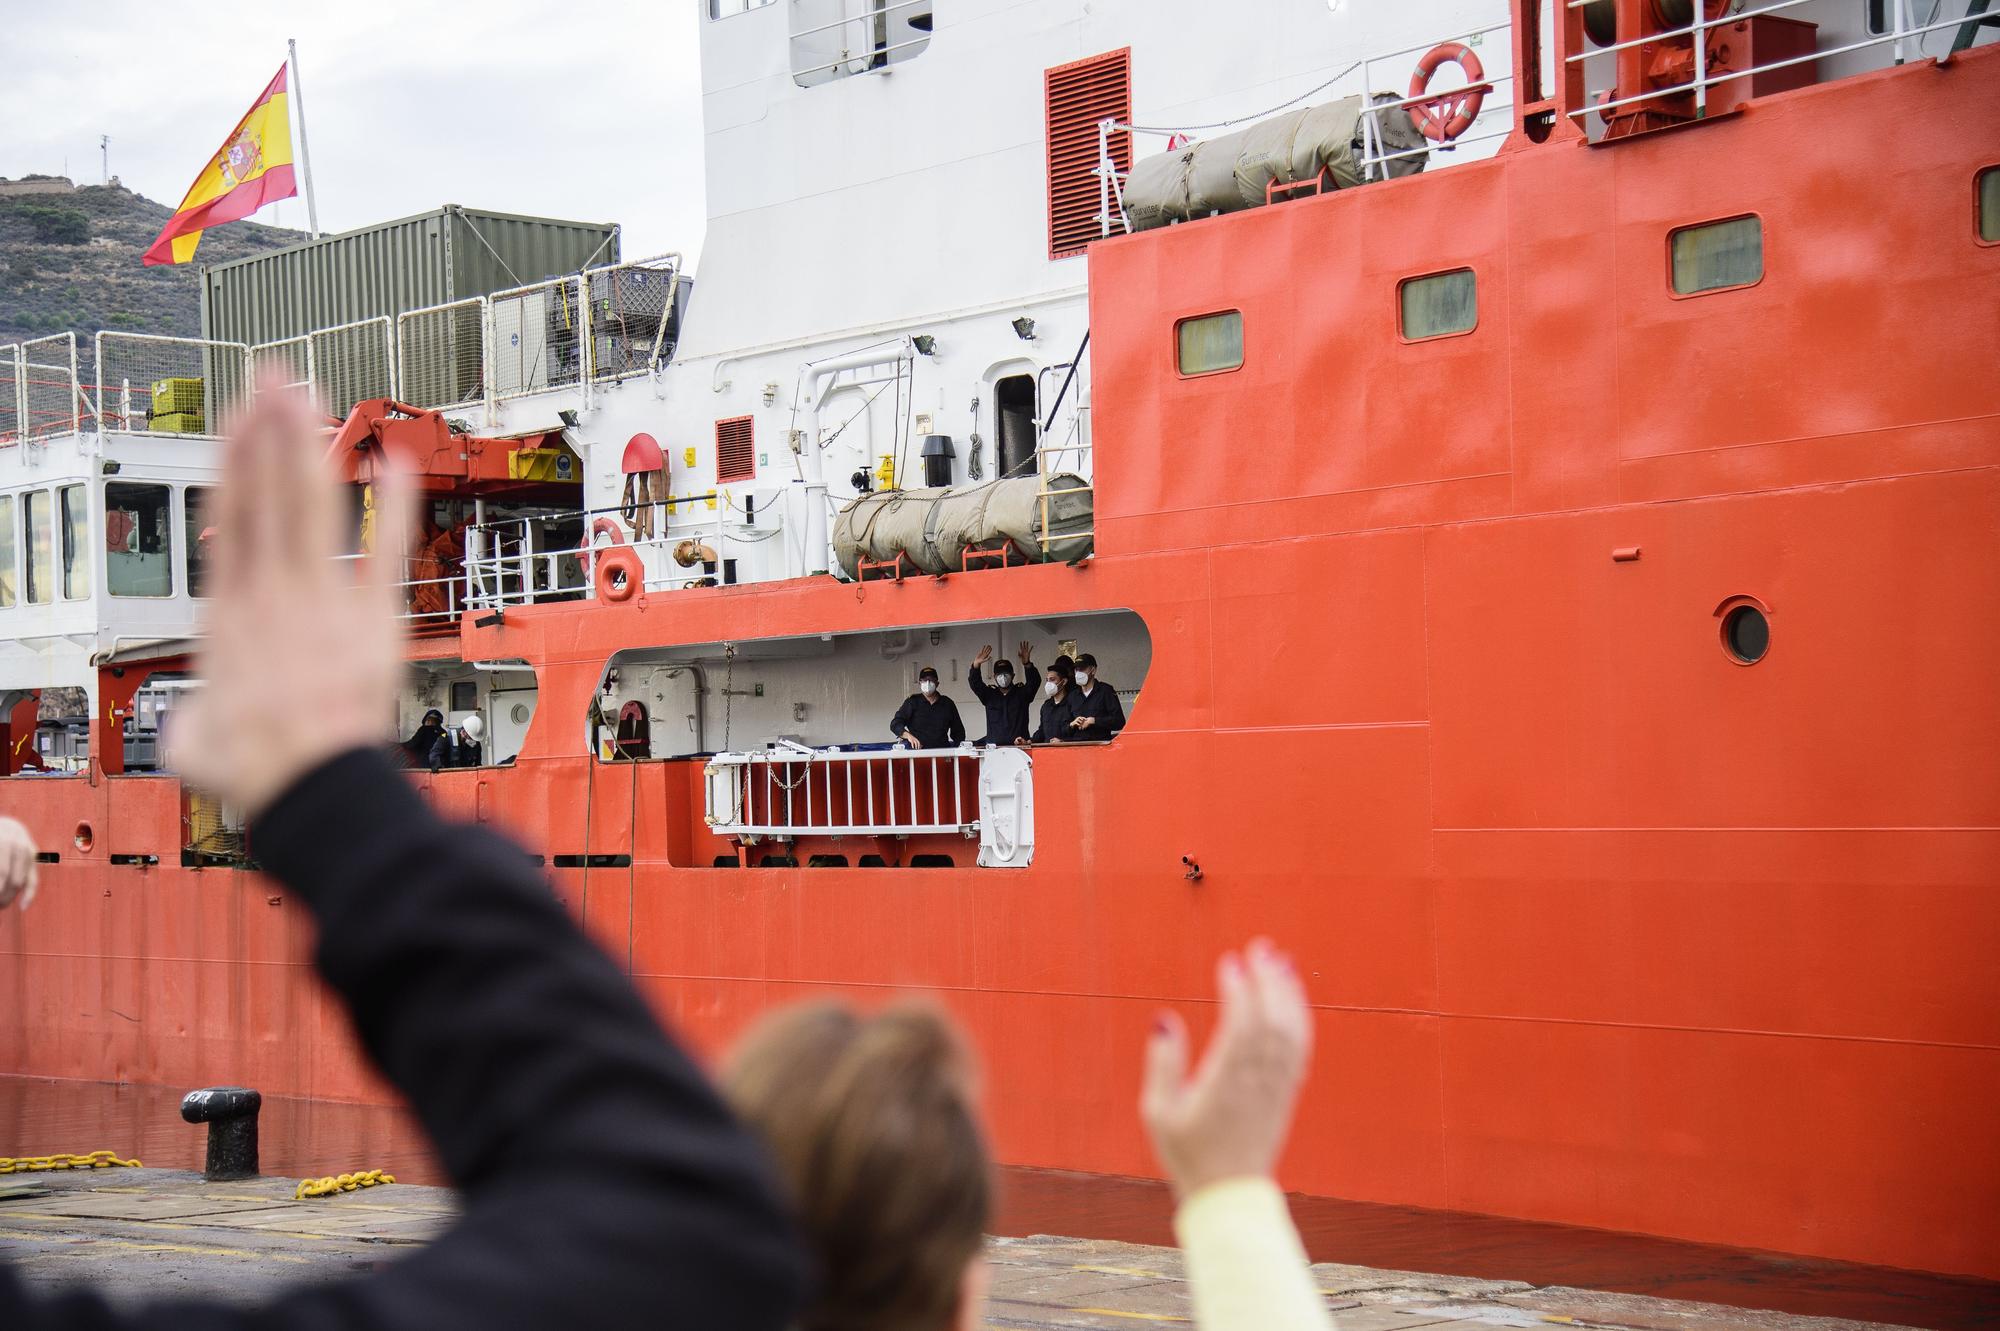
[1084, 679]
[1051, 687]
[1004, 681]
[929, 686]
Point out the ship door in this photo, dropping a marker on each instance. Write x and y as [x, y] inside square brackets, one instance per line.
[1014, 425]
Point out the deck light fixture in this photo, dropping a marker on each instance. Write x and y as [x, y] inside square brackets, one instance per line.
[925, 344]
[1024, 328]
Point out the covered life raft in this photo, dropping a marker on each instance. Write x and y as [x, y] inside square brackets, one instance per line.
[1235, 171]
[930, 531]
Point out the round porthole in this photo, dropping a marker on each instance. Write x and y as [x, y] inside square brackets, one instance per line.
[1746, 634]
[84, 839]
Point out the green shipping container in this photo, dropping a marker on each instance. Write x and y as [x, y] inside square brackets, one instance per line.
[388, 269]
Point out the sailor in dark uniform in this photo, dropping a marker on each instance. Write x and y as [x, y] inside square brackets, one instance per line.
[1096, 711]
[927, 719]
[1006, 703]
[1058, 703]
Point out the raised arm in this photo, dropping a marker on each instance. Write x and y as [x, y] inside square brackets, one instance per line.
[603, 1180]
[1218, 1134]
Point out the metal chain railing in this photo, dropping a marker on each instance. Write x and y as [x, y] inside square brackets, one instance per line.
[441, 354]
[167, 385]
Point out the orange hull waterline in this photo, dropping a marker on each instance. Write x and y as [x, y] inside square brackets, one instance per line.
[1603, 925]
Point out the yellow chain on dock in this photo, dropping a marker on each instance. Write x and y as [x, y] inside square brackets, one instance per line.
[30, 1164]
[332, 1183]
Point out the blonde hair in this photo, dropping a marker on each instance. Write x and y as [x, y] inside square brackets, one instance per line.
[870, 1120]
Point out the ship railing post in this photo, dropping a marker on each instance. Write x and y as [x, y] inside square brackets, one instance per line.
[1701, 60]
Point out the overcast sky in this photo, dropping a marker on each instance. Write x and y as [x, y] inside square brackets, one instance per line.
[586, 109]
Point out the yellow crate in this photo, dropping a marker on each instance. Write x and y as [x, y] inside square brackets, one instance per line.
[176, 396]
[176, 422]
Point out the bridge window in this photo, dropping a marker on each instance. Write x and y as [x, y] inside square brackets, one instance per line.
[75, 542]
[194, 507]
[38, 530]
[1440, 305]
[138, 540]
[1209, 344]
[729, 8]
[1989, 204]
[6, 551]
[1717, 256]
[829, 42]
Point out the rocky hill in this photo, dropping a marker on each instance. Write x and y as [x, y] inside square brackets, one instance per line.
[70, 261]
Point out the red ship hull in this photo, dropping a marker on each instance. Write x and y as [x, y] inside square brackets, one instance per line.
[1602, 926]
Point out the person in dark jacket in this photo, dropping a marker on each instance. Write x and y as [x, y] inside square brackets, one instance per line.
[1058, 703]
[459, 747]
[1097, 713]
[423, 742]
[1006, 703]
[604, 1184]
[927, 719]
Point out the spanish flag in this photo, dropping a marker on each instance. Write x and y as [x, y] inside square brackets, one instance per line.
[253, 168]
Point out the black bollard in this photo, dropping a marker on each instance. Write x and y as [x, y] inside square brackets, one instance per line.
[231, 1115]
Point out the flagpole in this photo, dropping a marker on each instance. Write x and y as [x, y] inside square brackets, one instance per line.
[298, 102]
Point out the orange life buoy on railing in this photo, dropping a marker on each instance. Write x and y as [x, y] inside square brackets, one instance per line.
[1444, 118]
[601, 527]
[620, 574]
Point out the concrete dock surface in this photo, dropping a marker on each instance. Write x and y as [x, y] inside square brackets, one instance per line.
[154, 1233]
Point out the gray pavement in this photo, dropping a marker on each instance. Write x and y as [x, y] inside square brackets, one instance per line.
[151, 1233]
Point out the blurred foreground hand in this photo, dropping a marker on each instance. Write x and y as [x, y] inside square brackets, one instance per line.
[301, 656]
[1231, 1118]
[17, 864]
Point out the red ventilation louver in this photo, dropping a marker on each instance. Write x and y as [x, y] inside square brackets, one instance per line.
[1080, 95]
[735, 450]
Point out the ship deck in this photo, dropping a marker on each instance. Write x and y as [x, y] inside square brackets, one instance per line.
[156, 1233]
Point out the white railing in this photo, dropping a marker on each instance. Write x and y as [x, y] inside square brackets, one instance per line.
[536, 338]
[13, 383]
[176, 385]
[1901, 30]
[634, 316]
[786, 793]
[353, 362]
[521, 561]
[290, 359]
[441, 354]
[51, 398]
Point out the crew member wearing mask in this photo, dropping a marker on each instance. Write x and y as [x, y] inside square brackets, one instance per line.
[1058, 703]
[927, 719]
[1006, 706]
[1096, 712]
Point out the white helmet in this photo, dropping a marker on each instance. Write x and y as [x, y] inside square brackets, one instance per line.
[473, 727]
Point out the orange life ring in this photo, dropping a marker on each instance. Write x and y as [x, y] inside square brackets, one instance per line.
[1444, 118]
[620, 574]
[601, 527]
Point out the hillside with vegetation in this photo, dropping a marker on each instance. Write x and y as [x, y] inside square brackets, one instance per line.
[70, 260]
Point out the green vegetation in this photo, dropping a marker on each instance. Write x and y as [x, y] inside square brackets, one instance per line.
[71, 262]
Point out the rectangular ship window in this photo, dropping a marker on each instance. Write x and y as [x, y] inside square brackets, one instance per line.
[1210, 343]
[138, 540]
[727, 8]
[1440, 305]
[38, 531]
[829, 42]
[1989, 204]
[75, 542]
[194, 521]
[1717, 255]
[6, 551]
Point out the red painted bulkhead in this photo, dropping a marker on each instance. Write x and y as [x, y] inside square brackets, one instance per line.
[1601, 926]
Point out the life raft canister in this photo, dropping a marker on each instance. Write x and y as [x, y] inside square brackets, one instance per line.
[1444, 118]
[620, 574]
[602, 527]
